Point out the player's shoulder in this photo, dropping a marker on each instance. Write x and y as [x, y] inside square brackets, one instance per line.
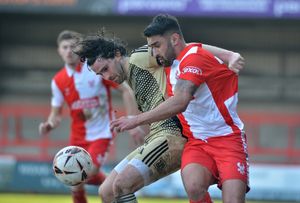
[142, 58]
[196, 51]
[61, 74]
[142, 49]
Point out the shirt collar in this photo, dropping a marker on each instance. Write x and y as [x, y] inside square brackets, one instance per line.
[186, 49]
[71, 71]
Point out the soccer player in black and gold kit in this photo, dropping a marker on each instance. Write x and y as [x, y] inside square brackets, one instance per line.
[160, 155]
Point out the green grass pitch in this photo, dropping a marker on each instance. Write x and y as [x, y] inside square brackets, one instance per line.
[42, 198]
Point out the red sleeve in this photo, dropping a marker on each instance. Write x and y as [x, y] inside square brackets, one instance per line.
[193, 69]
[110, 83]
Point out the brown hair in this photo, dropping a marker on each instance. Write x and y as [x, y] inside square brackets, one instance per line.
[68, 34]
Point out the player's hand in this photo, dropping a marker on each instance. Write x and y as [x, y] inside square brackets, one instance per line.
[124, 123]
[236, 62]
[45, 128]
[138, 135]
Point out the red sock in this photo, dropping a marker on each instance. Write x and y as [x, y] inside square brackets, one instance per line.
[206, 199]
[79, 196]
[97, 179]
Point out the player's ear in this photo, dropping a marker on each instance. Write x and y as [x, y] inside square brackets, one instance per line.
[174, 39]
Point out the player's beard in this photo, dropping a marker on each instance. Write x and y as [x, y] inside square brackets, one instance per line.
[121, 73]
[170, 56]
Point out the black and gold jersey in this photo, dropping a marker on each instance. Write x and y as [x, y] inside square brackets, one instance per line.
[148, 81]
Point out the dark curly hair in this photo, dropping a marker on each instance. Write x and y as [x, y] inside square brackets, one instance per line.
[99, 45]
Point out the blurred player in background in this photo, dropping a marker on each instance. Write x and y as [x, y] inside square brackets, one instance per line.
[88, 97]
[160, 155]
[203, 92]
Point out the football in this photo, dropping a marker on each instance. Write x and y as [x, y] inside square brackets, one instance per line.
[72, 165]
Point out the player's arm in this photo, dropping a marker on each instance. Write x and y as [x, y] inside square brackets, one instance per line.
[128, 99]
[183, 94]
[234, 60]
[131, 107]
[54, 117]
[52, 122]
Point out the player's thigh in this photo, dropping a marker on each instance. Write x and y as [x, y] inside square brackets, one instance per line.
[195, 156]
[157, 158]
[230, 154]
[127, 175]
[162, 155]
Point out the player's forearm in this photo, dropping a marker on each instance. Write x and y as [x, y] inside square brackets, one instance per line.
[54, 118]
[167, 109]
[223, 54]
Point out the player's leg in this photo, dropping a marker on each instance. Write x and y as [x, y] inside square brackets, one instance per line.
[231, 157]
[197, 162]
[154, 160]
[78, 194]
[98, 149]
[233, 191]
[196, 185]
[106, 188]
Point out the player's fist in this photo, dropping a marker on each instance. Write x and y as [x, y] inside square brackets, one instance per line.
[45, 128]
[236, 62]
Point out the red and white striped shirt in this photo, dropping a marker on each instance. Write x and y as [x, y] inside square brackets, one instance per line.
[89, 99]
[213, 111]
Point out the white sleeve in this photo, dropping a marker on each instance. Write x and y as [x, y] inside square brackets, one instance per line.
[57, 99]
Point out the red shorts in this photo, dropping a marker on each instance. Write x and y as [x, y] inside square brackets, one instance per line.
[225, 157]
[97, 149]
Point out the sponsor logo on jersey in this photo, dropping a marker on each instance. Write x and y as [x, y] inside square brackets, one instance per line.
[241, 168]
[192, 69]
[86, 103]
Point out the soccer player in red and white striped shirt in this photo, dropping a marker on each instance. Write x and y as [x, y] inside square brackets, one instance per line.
[204, 94]
[88, 97]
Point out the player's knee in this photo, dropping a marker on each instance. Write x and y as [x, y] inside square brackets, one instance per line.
[122, 186]
[119, 186]
[196, 192]
[105, 193]
[233, 198]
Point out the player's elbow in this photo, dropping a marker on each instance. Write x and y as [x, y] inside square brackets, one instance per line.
[182, 104]
[180, 101]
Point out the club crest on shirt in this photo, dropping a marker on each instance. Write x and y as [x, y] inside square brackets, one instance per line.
[192, 69]
[241, 168]
[91, 83]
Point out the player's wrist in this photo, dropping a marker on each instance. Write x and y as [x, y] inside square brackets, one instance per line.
[49, 126]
